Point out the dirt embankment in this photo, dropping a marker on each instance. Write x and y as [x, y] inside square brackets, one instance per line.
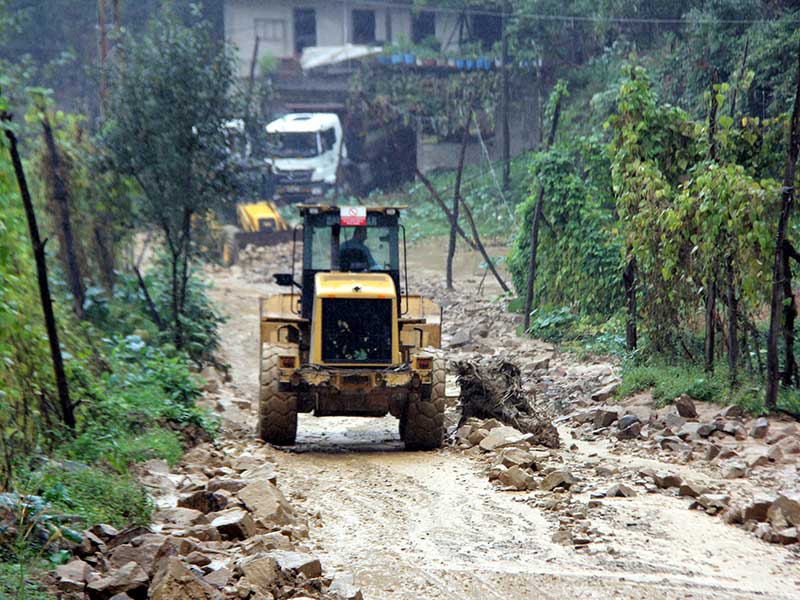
[591, 521]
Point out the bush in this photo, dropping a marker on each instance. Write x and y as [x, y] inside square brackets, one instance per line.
[667, 382]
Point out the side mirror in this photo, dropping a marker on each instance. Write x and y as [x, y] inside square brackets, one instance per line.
[284, 279]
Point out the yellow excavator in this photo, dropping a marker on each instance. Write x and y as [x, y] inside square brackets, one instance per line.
[348, 339]
[259, 224]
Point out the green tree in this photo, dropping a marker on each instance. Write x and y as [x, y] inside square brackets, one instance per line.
[167, 107]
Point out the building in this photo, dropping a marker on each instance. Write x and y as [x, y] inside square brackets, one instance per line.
[284, 27]
[281, 29]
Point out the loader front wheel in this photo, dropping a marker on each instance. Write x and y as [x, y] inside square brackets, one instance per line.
[277, 411]
[422, 424]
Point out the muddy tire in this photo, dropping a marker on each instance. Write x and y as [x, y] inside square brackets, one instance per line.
[422, 425]
[277, 411]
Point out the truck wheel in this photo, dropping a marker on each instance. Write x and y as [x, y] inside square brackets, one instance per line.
[422, 426]
[277, 411]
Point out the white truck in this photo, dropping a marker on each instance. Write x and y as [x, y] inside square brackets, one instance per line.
[304, 151]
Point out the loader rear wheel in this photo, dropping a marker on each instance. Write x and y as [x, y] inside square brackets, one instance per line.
[277, 411]
[422, 424]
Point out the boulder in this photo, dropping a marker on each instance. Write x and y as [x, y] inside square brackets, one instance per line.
[144, 554]
[732, 411]
[603, 417]
[175, 581]
[669, 442]
[785, 511]
[500, 437]
[234, 524]
[685, 407]
[460, 339]
[673, 421]
[692, 489]
[266, 542]
[343, 588]
[219, 578]
[758, 507]
[757, 457]
[183, 517]
[665, 479]
[759, 428]
[73, 576]
[605, 392]
[712, 451]
[204, 501]
[517, 478]
[620, 490]
[631, 432]
[104, 532]
[223, 483]
[477, 436]
[788, 535]
[128, 578]
[733, 470]
[695, 431]
[628, 420]
[514, 457]
[298, 562]
[713, 503]
[559, 478]
[267, 503]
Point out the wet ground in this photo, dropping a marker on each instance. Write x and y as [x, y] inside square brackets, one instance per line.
[431, 526]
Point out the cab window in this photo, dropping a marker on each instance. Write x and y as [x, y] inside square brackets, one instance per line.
[328, 139]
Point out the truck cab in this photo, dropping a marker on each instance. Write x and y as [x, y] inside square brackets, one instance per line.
[304, 151]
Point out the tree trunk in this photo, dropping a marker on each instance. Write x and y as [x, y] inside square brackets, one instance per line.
[61, 204]
[67, 410]
[790, 374]
[438, 199]
[787, 198]
[148, 299]
[538, 215]
[451, 246]
[741, 76]
[103, 49]
[629, 282]
[733, 318]
[506, 102]
[483, 252]
[711, 304]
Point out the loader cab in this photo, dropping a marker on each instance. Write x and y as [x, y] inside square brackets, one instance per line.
[365, 240]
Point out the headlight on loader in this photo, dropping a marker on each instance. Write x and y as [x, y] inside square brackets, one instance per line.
[287, 362]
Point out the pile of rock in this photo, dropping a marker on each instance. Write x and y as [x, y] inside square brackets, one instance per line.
[774, 518]
[224, 530]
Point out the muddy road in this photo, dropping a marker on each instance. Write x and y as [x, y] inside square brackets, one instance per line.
[414, 526]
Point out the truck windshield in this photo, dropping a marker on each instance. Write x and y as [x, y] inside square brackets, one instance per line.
[293, 145]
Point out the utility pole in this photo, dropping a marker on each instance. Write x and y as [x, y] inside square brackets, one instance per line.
[506, 128]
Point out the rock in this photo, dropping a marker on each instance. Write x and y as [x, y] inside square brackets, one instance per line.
[104, 532]
[266, 542]
[144, 554]
[757, 457]
[184, 517]
[692, 489]
[343, 588]
[298, 562]
[209, 375]
[261, 572]
[620, 490]
[712, 451]
[732, 411]
[204, 501]
[559, 478]
[673, 421]
[713, 503]
[695, 431]
[128, 578]
[91, 544]
[500, 437]
[785, 511]
[517, 478]
[219, 578]
[786, 536]
[540, 363]
[732, 515]
[267, 503]
[775, 454]
[758, 508]
[627, 421]
[665, 479]
[73, 576]
[462, 433]
[515, 457]
[234, 524]
[230, 485]
[733, 470]
[477, 436]
[685, 407]
[198, 558]
[605, 392]
[175, 581]
[760, 428]
[490, 424]
[603, 417]
[630, 432]
[669, 442]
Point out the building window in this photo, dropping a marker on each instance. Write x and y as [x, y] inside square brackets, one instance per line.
[363, 26]
[305, 29]
[423, 25]
[270, 30]
[487, 29]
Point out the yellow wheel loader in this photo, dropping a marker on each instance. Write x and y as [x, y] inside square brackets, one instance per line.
[348, 339]
[260, 224]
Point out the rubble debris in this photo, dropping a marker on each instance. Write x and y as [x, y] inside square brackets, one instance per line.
[492, 388]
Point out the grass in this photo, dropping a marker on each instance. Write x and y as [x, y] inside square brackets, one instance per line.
[667, 381]
[18, 582]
